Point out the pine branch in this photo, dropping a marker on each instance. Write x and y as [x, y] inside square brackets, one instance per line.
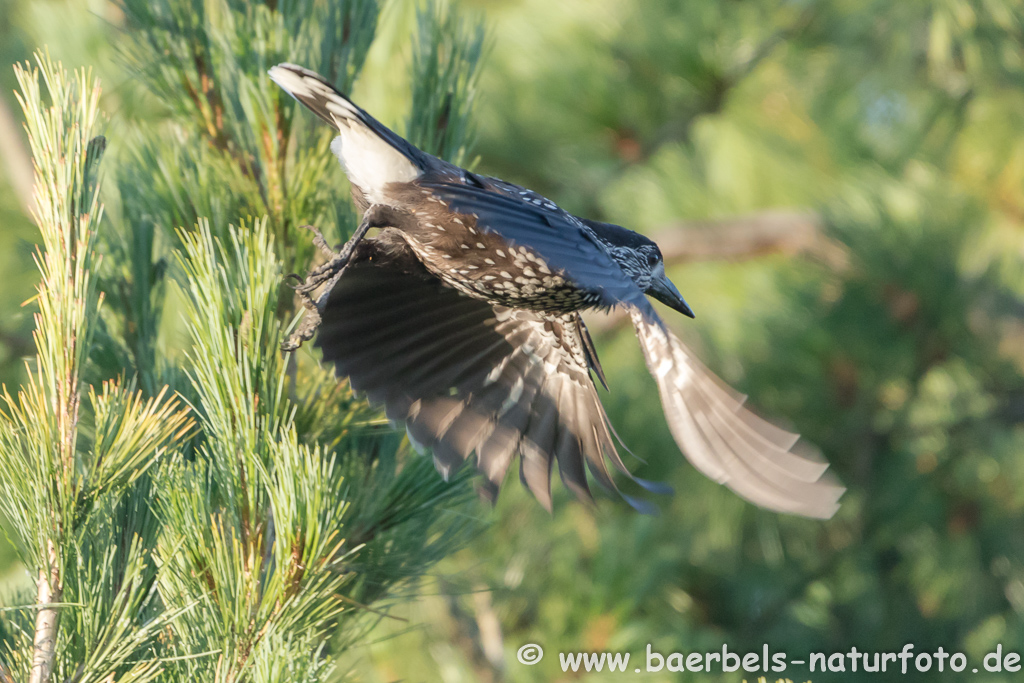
[207, 62]
[445, 67]
[242, 554]
[49, 592]
[71, 468]
[256, 559]
[66, 157]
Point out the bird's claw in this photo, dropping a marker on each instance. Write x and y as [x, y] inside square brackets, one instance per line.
[319, 241]
[307, 285]
[304, 332]
[311, 321]
[328, 273]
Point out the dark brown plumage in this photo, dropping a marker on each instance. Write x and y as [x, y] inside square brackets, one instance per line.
[463, 319]
[466, 376]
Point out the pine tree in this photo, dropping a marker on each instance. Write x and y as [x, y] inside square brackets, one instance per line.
[192, 504]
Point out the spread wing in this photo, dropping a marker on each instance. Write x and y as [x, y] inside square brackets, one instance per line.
[524, 218]
[466, 377]
[727, 442]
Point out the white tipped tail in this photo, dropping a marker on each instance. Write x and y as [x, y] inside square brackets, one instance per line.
[372, 155]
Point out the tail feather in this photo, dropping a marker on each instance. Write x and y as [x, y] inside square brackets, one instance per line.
[373, 155]
[329, 103]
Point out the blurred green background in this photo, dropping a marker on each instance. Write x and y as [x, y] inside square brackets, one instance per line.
[842, 186]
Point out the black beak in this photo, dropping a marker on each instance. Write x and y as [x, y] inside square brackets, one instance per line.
[663, 290]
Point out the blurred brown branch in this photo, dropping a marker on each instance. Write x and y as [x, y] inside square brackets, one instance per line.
[16, 157]
[749, 236]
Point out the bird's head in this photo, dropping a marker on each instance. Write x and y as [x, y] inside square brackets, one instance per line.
[640, 258]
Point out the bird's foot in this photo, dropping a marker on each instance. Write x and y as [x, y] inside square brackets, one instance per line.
[319, 241]
[310, 322]
[304, 332]
[328, 273]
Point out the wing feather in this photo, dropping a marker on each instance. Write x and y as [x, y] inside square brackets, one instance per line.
[557, 237]
[569, 445]
[727, 442]
[466, 377]
[536, 452]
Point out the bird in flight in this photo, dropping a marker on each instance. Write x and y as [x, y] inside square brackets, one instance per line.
[462, 318]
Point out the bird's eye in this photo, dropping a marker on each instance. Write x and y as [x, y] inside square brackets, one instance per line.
[652, 259]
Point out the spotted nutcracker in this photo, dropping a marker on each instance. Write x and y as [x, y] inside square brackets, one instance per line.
[462, 317]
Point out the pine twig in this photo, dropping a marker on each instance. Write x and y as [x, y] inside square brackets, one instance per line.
[45, 640]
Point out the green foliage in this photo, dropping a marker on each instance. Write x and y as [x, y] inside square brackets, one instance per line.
[241, 147]
[72, 470]
[240, 515]
[445, 61]
[294, 511]
[253, 529]
[900, 125]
